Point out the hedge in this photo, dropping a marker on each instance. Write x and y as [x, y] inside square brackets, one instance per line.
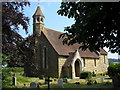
[86, 74]
[114, 70]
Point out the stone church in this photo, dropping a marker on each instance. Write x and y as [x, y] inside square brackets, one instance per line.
[57, 60]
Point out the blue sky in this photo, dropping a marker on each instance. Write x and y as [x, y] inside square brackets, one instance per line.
[52, 19]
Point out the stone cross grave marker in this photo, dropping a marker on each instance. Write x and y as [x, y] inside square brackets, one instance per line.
[34, 85]
[48, 82]
[60, 83]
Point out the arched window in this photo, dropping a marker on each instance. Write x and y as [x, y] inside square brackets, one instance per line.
[104, 60]
[84, 61]
[45, 58]
[42, 19]
[38, 19]
[95, 62]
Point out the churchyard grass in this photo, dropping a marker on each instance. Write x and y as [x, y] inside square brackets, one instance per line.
[7, 74]
[21, 80]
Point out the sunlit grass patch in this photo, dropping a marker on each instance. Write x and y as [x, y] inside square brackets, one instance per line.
[72, 83]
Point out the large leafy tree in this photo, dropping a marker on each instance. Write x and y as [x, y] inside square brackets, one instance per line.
[12, 19]
[97, 25]
[18, 49]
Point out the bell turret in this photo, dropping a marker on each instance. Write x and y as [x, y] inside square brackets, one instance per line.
[38, 21]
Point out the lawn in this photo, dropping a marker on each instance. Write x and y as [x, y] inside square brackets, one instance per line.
[21, 80]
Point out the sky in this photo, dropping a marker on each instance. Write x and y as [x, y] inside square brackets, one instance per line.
[52, 19]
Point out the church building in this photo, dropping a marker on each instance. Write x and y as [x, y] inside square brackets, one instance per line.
[57, 60]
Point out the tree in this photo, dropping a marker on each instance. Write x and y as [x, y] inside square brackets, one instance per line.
[97, 25]
[4, 59]
[12, 18]
[27, 50]
[18, 49]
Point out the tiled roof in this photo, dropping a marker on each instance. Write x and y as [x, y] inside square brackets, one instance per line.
[102, 51]
[38, 12]
[53, 38]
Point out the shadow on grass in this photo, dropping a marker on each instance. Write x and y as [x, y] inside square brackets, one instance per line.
[67, 85]
[70, 86]
[73, 85]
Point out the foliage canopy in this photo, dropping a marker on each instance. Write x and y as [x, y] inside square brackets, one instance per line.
[97, 25]
[12, 19]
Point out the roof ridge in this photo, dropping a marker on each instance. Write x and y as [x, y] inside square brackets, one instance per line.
[53, 30]
[52, 37]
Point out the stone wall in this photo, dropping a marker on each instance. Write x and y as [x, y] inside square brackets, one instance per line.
[89, 64]
[56, 62]
[103, 65]
[100, 67]
[52, 58]
[61, 61]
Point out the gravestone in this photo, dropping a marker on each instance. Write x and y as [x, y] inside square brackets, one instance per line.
[102, 79]
[60, 83]
[34, 85]
[14, 80]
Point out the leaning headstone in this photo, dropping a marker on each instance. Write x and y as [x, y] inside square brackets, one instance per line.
[34, 85]
[60, 83]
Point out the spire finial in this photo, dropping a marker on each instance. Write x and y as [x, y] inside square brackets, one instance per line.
[38, 11]
[38, 2]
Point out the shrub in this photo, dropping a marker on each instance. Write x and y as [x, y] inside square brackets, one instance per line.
[86, 74]
[114, 70]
